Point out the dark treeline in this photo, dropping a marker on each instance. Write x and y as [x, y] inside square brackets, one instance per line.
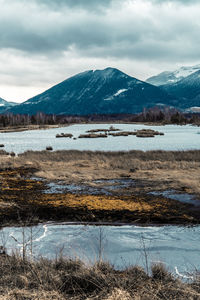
[164, 115]
[7, 120]
[167, 115]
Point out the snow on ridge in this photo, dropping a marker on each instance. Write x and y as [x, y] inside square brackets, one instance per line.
[109, 98]
[186, 71]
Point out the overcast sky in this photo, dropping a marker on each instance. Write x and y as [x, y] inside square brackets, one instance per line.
[43, 42]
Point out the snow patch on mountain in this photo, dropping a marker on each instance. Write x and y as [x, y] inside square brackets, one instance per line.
[185, 71]
[116, 94]
[120, 92]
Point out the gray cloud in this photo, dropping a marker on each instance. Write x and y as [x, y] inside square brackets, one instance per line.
[119, 31]
[183, 2]
[39, 30]
[60, 35]
[86, 4]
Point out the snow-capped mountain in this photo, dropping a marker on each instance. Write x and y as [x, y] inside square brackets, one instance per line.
[168, 77]
[187, 89]
[5, 105]
[105, 91]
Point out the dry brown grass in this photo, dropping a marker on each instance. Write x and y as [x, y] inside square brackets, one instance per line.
[192, 155]
[67, 279]
[165, 169]
[159, 169]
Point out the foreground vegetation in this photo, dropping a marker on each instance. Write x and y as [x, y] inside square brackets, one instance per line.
[59, 279]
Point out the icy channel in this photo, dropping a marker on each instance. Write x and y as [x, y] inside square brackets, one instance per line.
[177, 247]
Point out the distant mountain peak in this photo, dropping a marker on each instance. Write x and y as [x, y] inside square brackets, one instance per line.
[187, 89]
[5, 105]
[2, 100]
[105, 73]
[168, 77]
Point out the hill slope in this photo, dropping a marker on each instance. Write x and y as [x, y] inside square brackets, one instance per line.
[105, 91]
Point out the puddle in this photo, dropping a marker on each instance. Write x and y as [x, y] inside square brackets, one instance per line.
[115, 184]
[107, 188]
[181, 197]
[59, 188]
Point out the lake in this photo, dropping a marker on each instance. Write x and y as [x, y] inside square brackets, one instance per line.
[176, 138]
[177, 247]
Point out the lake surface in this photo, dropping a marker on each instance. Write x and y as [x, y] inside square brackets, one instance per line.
[177, 247]
[176, 138]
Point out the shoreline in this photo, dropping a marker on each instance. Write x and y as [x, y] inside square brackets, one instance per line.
[31, 127]
[97, 224]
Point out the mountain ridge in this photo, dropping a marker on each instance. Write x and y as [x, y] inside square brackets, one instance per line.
[105, 91]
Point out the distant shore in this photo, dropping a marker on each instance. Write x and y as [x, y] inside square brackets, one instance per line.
[30, 127]
[46, 126]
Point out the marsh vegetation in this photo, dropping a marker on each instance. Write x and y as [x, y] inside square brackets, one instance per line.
[64, 278]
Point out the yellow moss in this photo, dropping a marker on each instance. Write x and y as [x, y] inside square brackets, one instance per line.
[93, 202]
